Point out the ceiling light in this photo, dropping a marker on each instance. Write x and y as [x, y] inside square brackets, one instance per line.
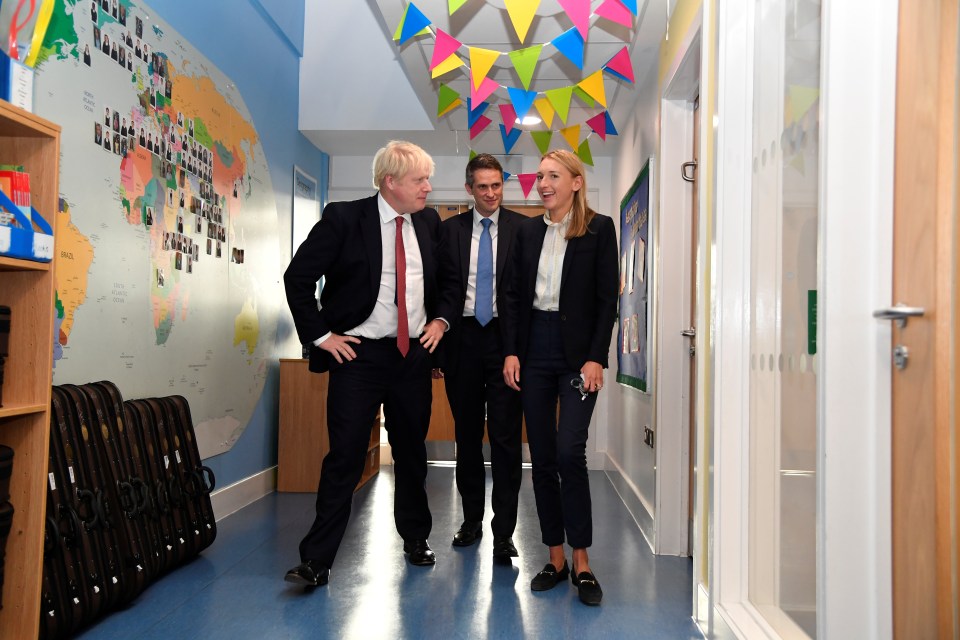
[529, 120]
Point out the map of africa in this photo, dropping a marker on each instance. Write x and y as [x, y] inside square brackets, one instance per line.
[168, 254]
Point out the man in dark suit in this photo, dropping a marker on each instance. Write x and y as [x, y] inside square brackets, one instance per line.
[476, 255]
[373, 332]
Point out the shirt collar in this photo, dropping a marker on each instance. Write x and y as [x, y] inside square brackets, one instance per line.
[494, 217]
[388, 213]
[562, 224]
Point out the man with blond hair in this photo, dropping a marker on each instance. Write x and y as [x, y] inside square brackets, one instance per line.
[374, 331]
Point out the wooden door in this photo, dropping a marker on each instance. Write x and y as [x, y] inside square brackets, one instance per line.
[924, 431]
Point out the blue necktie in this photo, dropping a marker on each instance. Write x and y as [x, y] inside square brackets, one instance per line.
[483, 308]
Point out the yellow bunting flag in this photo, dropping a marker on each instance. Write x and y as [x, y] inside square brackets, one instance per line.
[545, 109]
[453, 5]
[560, 99]
[451, 63]
[572, 136]
[592, 85]
[525, 62]
[521, 14]
[481, 61]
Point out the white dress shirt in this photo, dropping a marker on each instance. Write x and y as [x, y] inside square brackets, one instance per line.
[471, 301]
[550, 268]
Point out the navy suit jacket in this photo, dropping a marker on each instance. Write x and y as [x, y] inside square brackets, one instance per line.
[588, 291]
[456, 235]
[345, 248]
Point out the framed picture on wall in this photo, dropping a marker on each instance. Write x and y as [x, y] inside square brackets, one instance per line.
[634, 336]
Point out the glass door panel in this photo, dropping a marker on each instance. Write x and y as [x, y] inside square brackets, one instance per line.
[783, 361]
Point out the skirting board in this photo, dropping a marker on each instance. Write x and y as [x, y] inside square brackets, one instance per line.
[631, 499]
[243, 492]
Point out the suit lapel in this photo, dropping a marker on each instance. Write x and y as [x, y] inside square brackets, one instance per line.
[539, 233]
[465, 235]
[372, 242]
[424, 242]
[504, 238]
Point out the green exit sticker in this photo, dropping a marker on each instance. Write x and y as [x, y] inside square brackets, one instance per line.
[812, 322]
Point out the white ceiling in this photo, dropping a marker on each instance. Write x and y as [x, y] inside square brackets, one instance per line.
[359, 88]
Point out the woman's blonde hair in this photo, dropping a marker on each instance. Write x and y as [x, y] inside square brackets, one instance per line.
[582, 214]
[397, 159]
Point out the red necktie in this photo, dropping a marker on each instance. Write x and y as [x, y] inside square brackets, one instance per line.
[403, 332]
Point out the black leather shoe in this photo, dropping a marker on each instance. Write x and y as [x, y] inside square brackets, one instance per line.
[549, 577]
[468, 534]
[503, 548]
[587, 585]
[309, 573]
[419, 553]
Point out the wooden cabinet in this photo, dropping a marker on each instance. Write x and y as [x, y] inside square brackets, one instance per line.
[28, 289]
[303, 440]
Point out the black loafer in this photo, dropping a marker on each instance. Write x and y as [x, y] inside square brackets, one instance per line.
[470, 532]
[588, 587]
[419, 553]
[309, 574]
[503, 548]
[549, 577]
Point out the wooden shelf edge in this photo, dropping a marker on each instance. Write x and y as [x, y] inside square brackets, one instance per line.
[19, 264]
[21, 410]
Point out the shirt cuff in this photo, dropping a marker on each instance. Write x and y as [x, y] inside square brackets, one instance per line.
[317, 342]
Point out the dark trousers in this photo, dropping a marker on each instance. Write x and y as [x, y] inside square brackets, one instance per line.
[558, 445]
[477, 392]
[379, 374]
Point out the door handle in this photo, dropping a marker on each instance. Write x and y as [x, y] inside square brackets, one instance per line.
[689, 333]
[899, 313]
[692, 165]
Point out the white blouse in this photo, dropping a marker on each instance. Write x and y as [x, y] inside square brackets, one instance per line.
[550, 268]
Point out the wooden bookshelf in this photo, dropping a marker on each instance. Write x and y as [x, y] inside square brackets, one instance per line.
[27, 287]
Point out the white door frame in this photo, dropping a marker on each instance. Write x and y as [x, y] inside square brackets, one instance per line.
[856, 177]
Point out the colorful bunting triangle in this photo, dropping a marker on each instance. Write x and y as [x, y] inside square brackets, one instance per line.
[474, 113]
[481, 61]
[525, 62]
[542, 140]
[487, 87]
[570, 44]
[473, 154]
[584, 97]
[413, 23]
[560, 99]
[521, 14]
[508, 115]
[611, 130]
[445, 46]
[572, 135]
[527, 180]
[479, 125]
[448, 65]
[614, 11]
[545, 109]
[453, 5]
[631, 6]
[506, 176]
[448, 100]
[593, 86]
[579, 13]
[584, 152]
[620, 65]
[522, 100]
[509, 139]
[599, 124]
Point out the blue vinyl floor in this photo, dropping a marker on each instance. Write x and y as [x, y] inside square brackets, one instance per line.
[235, 589]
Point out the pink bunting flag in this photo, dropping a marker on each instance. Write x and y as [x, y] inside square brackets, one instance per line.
[614, 11]
[620, 65]
[479, 126]
[509, 116]
[579, 13]
[445, 46]
[487, 87]
[527, 181]
[599, 124]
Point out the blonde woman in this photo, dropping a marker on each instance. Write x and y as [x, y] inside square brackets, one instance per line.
[558, 320]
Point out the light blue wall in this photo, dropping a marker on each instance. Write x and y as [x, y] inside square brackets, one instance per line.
[257, 43]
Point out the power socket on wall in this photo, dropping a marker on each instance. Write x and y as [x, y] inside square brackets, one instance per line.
[648, 436]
